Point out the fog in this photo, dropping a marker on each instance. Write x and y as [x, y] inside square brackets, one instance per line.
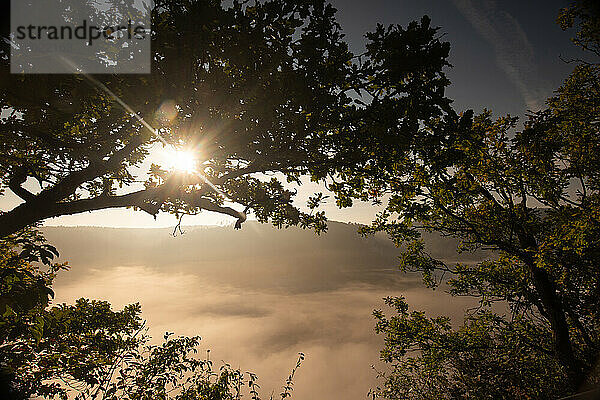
[256, 296]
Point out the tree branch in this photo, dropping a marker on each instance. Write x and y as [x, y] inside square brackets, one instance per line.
[19, 177]
[208, 205]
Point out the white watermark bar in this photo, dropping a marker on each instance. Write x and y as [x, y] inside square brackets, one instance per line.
[80, 36]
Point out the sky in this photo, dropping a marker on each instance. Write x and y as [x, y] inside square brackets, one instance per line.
[505, 54]
[505, 57]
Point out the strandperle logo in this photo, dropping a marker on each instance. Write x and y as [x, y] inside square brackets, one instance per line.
[85, 31]
[80, 36]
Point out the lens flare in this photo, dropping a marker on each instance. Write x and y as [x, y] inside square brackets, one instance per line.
[167, 111]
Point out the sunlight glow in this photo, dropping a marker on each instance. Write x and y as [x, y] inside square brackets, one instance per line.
[184, 161]
[180, 160]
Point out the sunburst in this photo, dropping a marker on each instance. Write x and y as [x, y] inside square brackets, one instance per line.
[180, 160]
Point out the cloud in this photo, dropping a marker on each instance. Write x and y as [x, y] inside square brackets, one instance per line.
[514, 53]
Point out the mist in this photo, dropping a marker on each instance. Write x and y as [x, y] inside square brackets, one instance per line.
[256, 296]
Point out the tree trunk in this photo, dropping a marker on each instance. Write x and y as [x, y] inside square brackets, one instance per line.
[555, 312]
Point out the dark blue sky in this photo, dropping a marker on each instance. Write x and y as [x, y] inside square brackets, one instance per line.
[505, 54]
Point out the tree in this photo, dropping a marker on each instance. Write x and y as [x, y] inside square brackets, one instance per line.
[532, 198]
[252, 90]
[89, 351]
[41, 348]
[261, 93]
[249, 89]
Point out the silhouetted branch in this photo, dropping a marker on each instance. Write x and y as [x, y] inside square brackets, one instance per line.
[178, 227]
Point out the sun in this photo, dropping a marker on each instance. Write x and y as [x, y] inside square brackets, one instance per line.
[181, 160]
[184, 161]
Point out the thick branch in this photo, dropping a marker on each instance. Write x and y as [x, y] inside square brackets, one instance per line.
[149, 200]
[14, 184]
[50, 202]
